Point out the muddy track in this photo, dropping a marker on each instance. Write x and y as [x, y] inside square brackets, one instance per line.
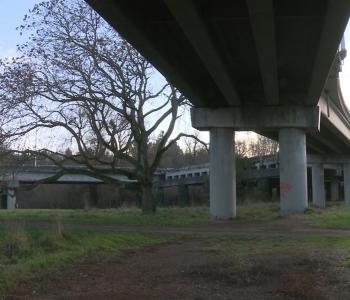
[185, 270]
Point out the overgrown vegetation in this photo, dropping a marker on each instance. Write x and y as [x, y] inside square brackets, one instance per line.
[301, 267]
[284, 262]
[166, 216]
[258, 211]
[33, 254]
[125, 216]
[335, 216]
[241, 247]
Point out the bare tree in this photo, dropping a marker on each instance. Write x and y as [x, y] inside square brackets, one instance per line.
[241, 148]
[263, 146]
[196, 152]
[191, 145]
[76, 79]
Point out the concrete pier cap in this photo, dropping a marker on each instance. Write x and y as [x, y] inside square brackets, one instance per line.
[261, 118]
[291, 122]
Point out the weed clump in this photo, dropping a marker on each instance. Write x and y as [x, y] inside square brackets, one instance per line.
[16, 241]
[57, 228]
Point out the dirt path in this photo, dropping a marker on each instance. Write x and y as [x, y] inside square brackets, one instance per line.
[186, 270]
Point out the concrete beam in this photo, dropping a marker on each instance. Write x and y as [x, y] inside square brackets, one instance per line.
[263, 118]
[127, 27]
[318, 189]
[334, 25]
[326, 141]
[328, 159]
[195, 29]
[332, 116]
[263, 27]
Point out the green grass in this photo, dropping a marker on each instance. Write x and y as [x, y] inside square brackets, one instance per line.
[258, 211]
[240, 247]
[336, 217]
[172, 216]
[31, 254]
[123, 216]
[46, 254]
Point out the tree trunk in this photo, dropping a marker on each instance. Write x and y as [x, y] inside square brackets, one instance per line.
[148, 199]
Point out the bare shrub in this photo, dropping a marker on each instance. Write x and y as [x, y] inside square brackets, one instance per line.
[299, 284]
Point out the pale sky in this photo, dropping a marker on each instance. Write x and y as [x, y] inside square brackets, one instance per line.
[12, 12]
[11, 16]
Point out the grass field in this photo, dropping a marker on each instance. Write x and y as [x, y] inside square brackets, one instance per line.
[124, 216]
[27, 254]
[299, 267]
[32, 254]
[241, 247]
[173, 216]
[334, 216]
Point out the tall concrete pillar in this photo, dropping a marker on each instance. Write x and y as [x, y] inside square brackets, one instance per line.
[11, 198]
[293, 174]
[334, 189]
[318, 190]
[222, 174]
[347, 183]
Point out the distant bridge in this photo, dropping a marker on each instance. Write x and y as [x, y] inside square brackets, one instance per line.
[31, 174]
[264, 168]
[194, 175]
[12, 177]
[190, 175]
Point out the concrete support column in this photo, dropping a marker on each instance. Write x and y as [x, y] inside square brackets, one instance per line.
[347, 183]
[222, 174]
[318, 190]
[293, 174]
[334, 189]
[11, 198]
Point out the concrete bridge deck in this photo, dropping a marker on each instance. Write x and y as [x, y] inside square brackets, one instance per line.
[269, 66]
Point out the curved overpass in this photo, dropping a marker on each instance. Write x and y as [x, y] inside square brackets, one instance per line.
[270, 66]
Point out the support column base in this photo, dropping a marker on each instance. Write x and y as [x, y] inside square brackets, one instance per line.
[293, 178]
[222, 174]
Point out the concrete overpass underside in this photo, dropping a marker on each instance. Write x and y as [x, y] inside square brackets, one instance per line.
[270, 66]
